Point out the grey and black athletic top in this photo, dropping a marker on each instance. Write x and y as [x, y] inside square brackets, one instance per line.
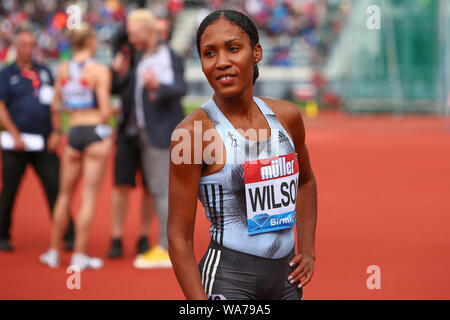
[251, 201]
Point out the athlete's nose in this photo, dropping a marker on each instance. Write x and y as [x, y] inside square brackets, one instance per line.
[222, 61]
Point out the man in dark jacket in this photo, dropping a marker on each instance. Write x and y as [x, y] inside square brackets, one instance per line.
[127, 161]
[156, 85]
[28, 136]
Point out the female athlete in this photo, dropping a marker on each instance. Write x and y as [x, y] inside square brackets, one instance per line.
[254, 178]
[83, 86]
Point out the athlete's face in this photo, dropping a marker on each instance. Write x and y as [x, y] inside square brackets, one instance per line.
[228, 58]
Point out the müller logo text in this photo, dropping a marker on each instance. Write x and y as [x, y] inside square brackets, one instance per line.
[277, 168]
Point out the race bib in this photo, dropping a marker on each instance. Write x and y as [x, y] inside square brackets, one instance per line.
[103, 131]
[77, 95]
[271, 191]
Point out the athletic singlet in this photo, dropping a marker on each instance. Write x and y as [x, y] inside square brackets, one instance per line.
[250, 202]
[76, 93]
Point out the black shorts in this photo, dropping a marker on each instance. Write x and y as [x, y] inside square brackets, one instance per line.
[81, 137]
[127, 160]
[231, 275]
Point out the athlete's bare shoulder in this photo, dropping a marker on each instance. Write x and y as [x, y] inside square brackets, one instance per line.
[63, 69]
[283, 108]
[188, 130]
[97, 74]
[288, 114]
[97, 68]
[197, 115]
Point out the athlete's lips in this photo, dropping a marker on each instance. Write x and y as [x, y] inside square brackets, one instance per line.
[226, 78]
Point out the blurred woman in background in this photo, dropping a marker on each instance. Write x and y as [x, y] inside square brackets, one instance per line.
[83, 86]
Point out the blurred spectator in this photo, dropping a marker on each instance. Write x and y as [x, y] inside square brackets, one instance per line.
[127, 161]
[157, 86]
[28, 136]
[83, 86]
[128, 153]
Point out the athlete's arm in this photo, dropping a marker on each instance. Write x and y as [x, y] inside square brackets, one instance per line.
[306, 207]
[184, 180]
[55, 113]
[103, 90]
[306, 204]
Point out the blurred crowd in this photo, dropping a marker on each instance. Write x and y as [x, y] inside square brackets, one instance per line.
[283, 23]
[48, 19]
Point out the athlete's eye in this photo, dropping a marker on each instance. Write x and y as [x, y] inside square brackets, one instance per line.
[234, 49]
[208, 53]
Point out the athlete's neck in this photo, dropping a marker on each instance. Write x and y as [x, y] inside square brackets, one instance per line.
[82, 55]
[238, 106]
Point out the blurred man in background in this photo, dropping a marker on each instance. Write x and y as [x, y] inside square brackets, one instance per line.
[163, 29]
[28, 138]
[157, 85]
[127, 160]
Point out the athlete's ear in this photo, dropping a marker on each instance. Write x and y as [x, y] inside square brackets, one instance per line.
[257, 53]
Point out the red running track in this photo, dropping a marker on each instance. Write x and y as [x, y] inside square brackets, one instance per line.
[383, 188]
